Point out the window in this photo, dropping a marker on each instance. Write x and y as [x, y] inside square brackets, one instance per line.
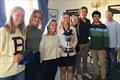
[27, 5]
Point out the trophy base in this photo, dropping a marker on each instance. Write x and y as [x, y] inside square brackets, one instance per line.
[68, 50]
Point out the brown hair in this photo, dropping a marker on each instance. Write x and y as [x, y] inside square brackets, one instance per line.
[33, 14]
[83, 7]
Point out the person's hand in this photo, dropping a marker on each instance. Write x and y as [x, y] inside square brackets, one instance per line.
[61, 48]
[18, 57]
[104, 51]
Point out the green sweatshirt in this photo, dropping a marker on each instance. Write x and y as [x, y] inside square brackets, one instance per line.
[99, 37]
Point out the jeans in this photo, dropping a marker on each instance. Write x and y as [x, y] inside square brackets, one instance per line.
[19, 76]
[112, 58]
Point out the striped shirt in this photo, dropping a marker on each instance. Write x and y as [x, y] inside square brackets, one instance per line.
[99, 37]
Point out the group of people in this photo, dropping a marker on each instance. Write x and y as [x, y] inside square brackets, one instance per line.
[100, 40]
[65, 46]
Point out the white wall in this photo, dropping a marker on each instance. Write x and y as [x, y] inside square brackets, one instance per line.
[63, 5]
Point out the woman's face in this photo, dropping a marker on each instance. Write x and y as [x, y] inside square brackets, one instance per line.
[18, 16]
[75, 20]
[53, 27]
[36, 20]
[66, 21]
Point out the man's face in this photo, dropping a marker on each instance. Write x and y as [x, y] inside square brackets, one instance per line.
[96, 18]
[109, 16]
[83, 13]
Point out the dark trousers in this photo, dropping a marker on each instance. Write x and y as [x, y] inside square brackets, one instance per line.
[32, 71]
[111, 59]
[49, 69]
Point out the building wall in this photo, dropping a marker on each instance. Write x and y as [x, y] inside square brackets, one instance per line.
[63, 5]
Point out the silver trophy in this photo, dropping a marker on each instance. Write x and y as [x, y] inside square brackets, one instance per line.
[68, 36]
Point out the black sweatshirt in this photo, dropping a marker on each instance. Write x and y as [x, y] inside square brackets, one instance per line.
[84, 31]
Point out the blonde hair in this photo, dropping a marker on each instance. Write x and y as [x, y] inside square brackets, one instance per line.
[62, 20]
[11, 26]
[71, 18]
[47, 29]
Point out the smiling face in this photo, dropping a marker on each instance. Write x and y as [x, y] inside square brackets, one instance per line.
[52, 27]
[96, 15]
[109, 16]
[65, 21]
[36, 20]
[18, 16]
[96, 18]
[75, 20]
[83, 13]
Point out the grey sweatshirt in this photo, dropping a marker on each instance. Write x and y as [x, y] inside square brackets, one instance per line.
[33, 38]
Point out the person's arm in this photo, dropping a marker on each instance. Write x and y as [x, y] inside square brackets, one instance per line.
[90, 25]
[3, 42]
[74, 42]
[118, 37]
[41, 46]
[106, 38]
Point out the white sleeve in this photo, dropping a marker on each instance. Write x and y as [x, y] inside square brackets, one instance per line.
[118, 35]
[2, 40]
[74, 38]
[41, 46]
